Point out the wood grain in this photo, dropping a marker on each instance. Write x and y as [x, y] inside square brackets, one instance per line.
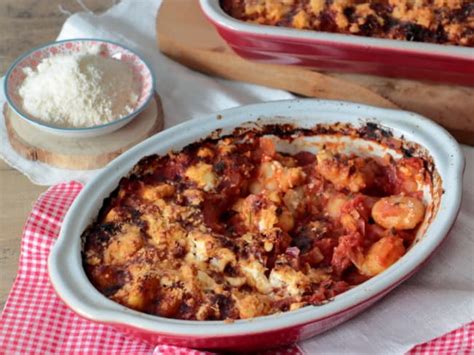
[196, 44]
[83, 153]
[24, 24]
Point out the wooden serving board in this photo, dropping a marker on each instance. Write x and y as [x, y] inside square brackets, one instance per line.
[185, 35]
[81, 153]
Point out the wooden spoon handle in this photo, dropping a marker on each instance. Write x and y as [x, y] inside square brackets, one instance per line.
[296, 80]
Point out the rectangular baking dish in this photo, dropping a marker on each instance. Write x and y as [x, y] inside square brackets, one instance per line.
[341, 52]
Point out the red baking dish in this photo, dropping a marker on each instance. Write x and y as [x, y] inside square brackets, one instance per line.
[345, 53]
[420, 135]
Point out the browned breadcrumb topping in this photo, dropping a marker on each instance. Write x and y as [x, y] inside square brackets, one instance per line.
[434, 21]
[230, 228]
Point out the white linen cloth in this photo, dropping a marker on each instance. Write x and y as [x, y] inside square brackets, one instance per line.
[438, 299]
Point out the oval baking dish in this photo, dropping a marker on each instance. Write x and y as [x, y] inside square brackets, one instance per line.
[73, 287]
[342, 52]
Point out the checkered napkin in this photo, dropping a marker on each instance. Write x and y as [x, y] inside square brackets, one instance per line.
[36, 321]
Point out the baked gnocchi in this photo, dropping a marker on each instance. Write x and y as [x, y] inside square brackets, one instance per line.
[233, 228]
[433, 21]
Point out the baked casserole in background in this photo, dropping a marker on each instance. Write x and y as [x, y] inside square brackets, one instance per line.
[432, 21]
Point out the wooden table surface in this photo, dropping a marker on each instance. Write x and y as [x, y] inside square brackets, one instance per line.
[25, 24]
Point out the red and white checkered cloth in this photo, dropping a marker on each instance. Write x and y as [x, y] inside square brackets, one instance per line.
[34, 319]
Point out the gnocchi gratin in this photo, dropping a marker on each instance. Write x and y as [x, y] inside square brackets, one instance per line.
[434, 21]
[232, 228]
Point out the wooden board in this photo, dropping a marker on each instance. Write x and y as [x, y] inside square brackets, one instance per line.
[81, 153]
[186, 36]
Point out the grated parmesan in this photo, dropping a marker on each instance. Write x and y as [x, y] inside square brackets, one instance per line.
[82, 89]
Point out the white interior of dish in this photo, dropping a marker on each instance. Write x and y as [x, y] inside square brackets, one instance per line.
[65, 263]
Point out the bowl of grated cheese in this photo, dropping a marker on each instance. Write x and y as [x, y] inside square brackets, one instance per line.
[79, 88]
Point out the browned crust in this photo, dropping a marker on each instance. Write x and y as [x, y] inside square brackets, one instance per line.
[161, 237]
[439, 21]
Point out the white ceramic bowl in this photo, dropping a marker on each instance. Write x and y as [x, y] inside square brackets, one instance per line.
[72, 285]
[15, 76]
